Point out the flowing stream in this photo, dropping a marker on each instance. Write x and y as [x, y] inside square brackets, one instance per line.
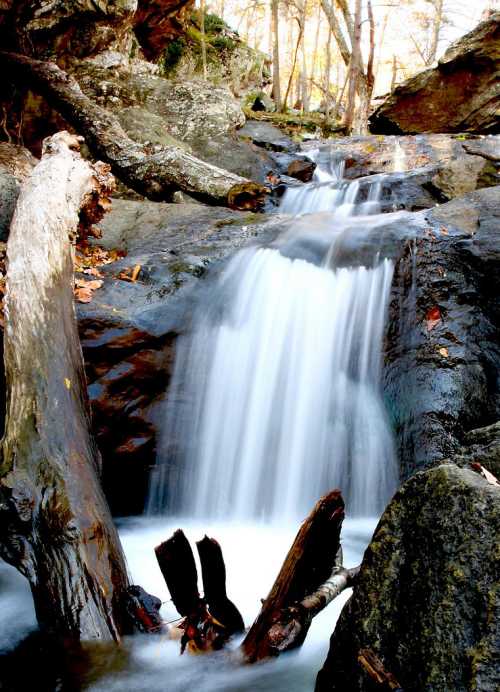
[275, 399]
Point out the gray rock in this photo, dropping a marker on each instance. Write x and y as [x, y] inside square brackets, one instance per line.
[265, 135]
[427, 603]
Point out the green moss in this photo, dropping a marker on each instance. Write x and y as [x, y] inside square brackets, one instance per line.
[172, 55]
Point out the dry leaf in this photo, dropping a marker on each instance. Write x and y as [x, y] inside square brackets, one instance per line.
[433, 317]
[444, 352]
[67, 383]
[92, 271]
[135, 272]
[444, 230]
[493, 480]
[83, 295]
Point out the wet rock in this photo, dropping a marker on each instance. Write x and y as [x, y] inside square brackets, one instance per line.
[128, 331]
[461, 164]
[427, 600]
[268, 136]
[459, 95]
[302, 169]
[442, 362]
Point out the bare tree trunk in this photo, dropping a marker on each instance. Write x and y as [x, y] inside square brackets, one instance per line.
[366, 94]
[294, 64]
[336, 30]
[276, 54]
[315, 55]
[354, 71]
[286, 613]
[156, 175]
[394, 72]
[55, 525]
[436, 30]
[327, 76]
[203, 39]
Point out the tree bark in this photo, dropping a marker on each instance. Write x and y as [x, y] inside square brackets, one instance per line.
[156, 175]
[276, 54]
[300, 587]
[55, 525]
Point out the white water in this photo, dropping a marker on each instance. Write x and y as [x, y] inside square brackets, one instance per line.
[275, 397]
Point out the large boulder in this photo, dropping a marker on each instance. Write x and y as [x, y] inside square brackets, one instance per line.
[461, 94]
[128, 330]
[427, 603]
[67, 29]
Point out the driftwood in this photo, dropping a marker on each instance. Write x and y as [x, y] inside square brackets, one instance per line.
[203, 629]
[309, 579]
[213, 572]
[374, 668]
[55, 525]
[156, 175]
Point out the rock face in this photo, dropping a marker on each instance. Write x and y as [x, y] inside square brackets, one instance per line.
[128, 331]
[427, 603]
[442, 362]
[76, 29]
[461, 94]
[157, 22]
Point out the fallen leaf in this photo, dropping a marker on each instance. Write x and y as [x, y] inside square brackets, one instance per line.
[433, 318]
[444, 352]
[444, 230]
[67, 383]
[493, 480]
[83, 295]
[92, 271]
[135, 272]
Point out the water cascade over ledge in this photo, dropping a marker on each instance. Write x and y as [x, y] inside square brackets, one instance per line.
[275, 398]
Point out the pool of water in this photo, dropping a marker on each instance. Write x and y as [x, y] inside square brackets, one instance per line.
[253, 553]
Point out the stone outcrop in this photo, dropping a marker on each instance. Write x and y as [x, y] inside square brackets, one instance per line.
[461, 94]
[67, 30]
[158, 22]
[427, 602]
[442, 362]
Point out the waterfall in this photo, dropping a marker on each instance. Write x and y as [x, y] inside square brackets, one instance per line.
[275, 398]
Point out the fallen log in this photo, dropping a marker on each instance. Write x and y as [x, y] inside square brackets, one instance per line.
[308, 580]
[155, 175]
[55, 525]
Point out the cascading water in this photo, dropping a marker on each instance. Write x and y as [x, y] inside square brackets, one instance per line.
[275, 397]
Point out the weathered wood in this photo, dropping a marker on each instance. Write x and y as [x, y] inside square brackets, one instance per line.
[55, 525]
[283, 621]
[213, 572]
[156, 175]
[176, 561]
[375, 669]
